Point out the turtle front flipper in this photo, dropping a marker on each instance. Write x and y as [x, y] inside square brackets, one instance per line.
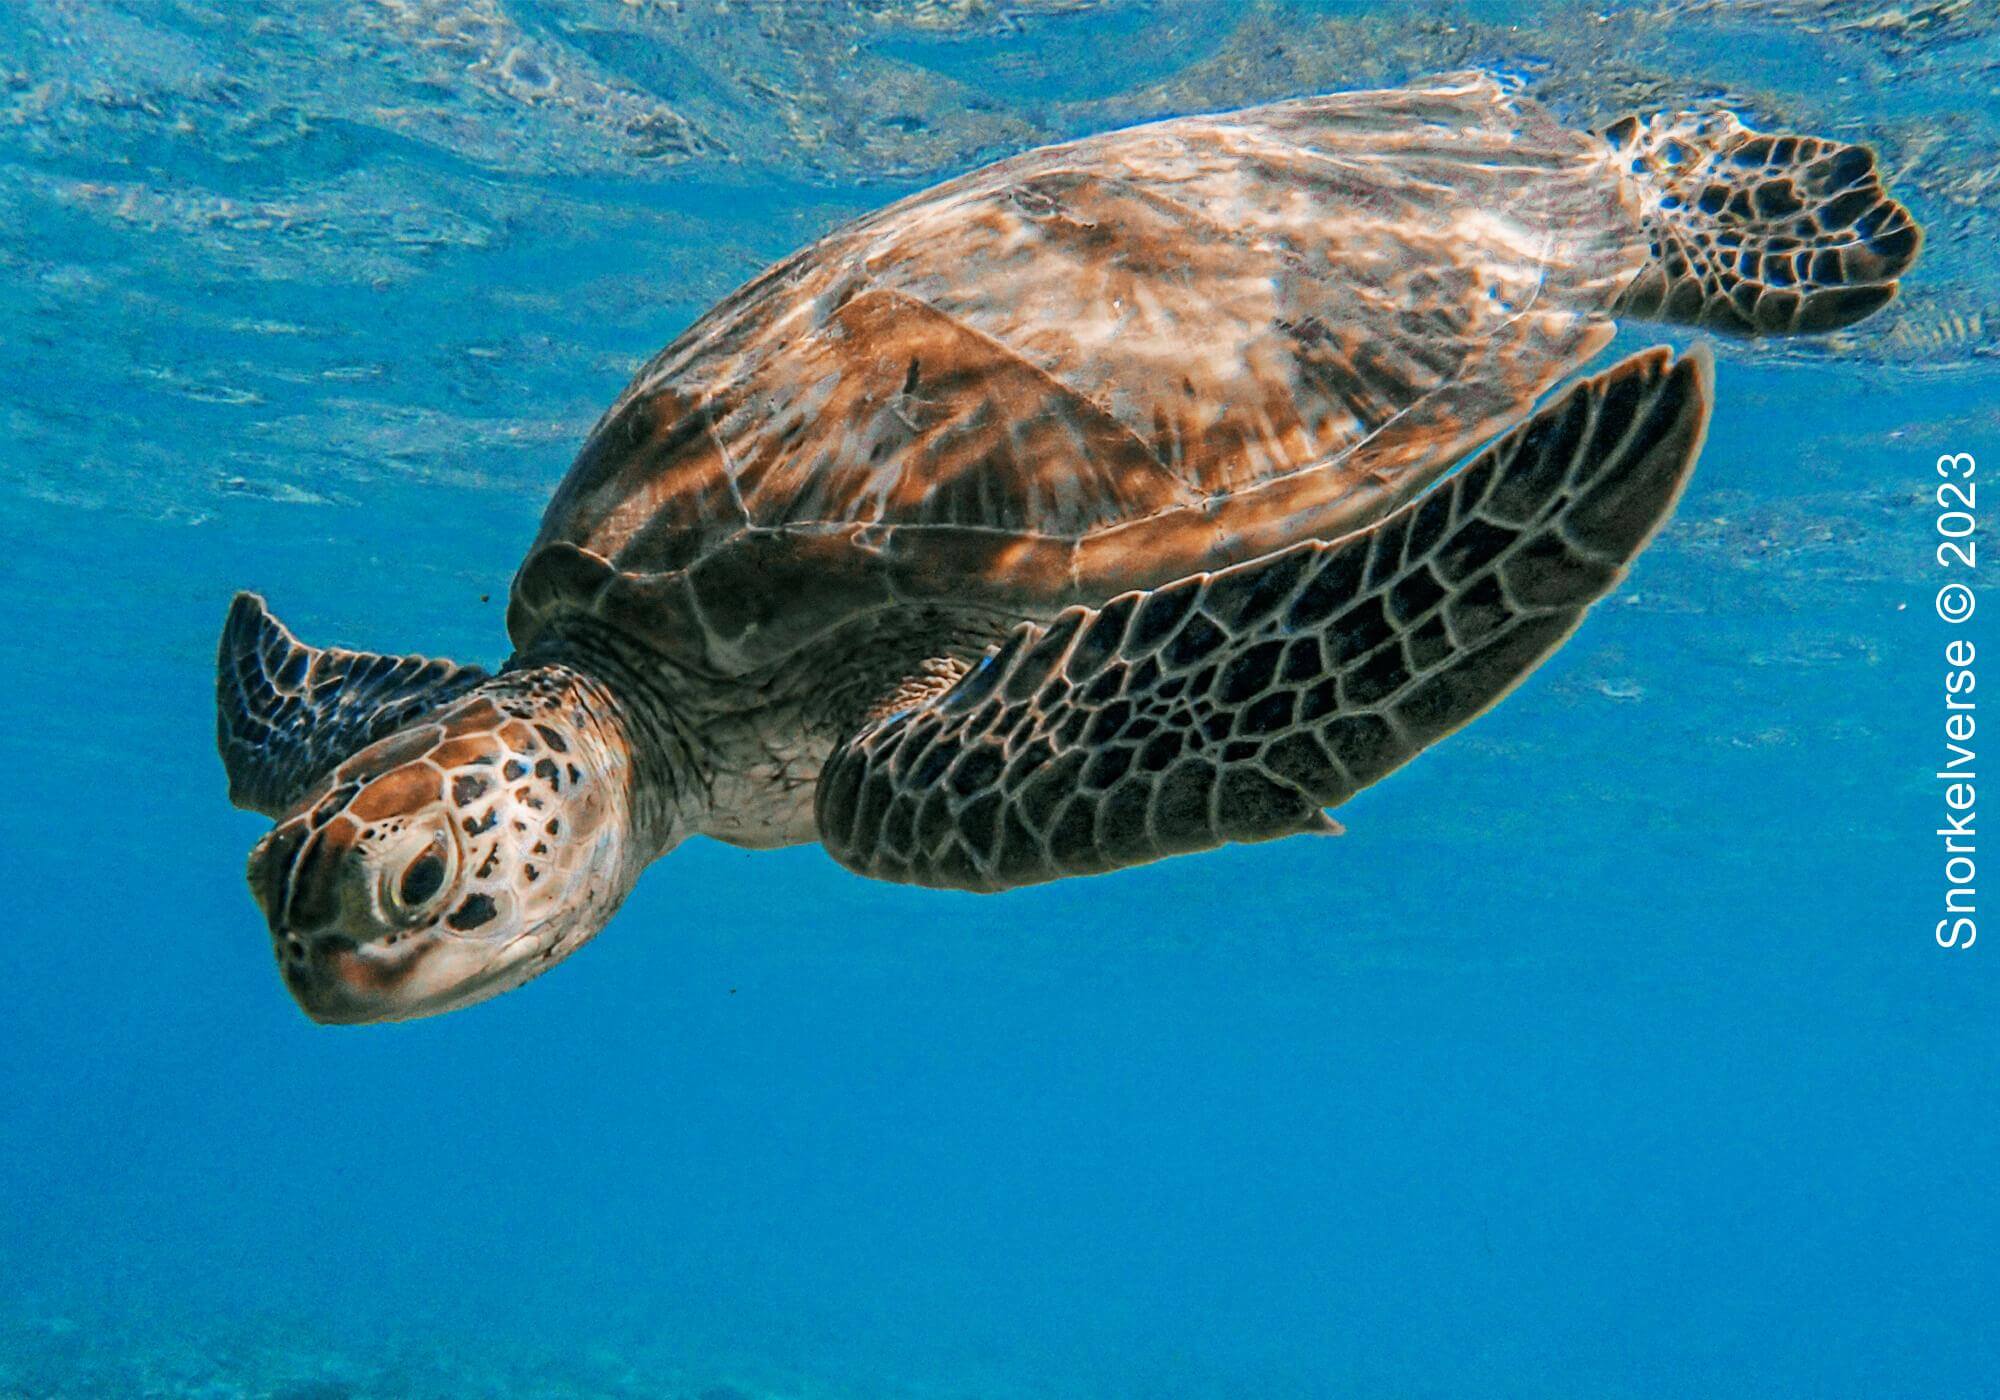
[1760, 233]
[287, 713]
[1234, 706]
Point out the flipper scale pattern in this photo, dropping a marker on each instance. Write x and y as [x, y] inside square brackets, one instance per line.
[1234, 706]
[288, 713]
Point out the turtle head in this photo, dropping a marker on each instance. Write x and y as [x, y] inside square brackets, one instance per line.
[451, 858]
[443, 864]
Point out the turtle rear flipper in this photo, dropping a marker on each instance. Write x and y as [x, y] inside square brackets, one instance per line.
[1761, 234]
[288, 713]
[1234, 706]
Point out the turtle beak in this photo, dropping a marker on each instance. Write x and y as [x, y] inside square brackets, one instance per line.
[340, 983]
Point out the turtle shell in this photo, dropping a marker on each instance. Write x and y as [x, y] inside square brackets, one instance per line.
[1092, 368]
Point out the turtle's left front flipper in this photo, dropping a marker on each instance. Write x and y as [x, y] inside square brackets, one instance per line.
[1235, 706]
[288, 713]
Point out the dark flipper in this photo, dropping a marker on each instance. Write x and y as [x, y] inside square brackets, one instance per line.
[1761, 234]
[287, 713]
[1234, 706]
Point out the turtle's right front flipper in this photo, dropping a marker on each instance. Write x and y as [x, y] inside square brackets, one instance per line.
[1760, 233]
[1235, 706]
[287, 713]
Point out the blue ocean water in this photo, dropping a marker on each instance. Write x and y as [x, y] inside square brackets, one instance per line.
[1611, 1053]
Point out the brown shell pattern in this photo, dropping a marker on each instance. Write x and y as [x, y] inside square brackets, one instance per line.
[1095, 367]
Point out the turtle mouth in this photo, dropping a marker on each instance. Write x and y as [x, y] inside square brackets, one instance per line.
[339, 982]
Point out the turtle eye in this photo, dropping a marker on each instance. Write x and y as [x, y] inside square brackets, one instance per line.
[411, 893]
[423, 878]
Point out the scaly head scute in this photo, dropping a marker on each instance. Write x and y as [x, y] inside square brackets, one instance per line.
[453, 859]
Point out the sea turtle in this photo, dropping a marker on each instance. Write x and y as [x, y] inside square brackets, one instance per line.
[1093, 507]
